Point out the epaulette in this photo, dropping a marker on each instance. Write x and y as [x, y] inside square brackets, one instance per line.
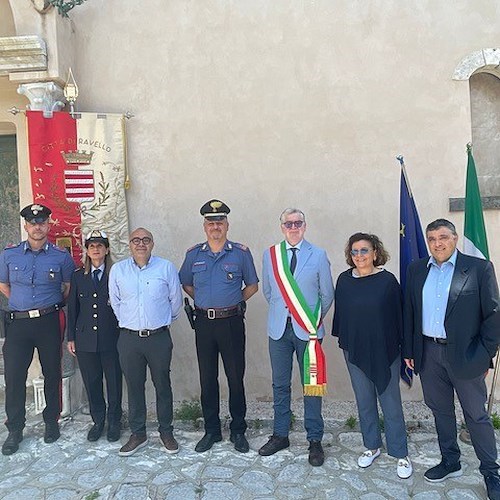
[194, 246]
[9, 246]
[55, 247]
[241, 246]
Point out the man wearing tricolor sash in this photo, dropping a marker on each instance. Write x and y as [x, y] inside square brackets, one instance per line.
[297, 283]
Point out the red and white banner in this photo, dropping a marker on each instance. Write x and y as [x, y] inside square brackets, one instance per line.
[78, 170]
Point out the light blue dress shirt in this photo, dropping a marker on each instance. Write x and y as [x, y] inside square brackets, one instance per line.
[146, 297]
[435, 296]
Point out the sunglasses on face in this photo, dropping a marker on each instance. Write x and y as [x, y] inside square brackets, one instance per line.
[145, 241]
[297, 224]
[361, 251]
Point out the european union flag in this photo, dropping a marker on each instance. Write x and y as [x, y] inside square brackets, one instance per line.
[411, 243]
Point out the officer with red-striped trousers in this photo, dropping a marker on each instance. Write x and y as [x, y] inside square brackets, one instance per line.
[35, 277]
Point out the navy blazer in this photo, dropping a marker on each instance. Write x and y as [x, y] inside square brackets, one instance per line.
[472, 320]
[92, 324]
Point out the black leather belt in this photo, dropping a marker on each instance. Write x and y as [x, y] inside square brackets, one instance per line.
[223, 312]
[436, 340]
[34, 313]
[146, 333]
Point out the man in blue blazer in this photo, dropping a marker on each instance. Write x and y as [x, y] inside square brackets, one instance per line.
[310, 269]
[451, 334]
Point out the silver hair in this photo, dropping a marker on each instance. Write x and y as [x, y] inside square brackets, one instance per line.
[291, 211]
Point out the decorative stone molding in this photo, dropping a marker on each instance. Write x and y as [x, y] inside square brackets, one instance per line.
[43, 96]
[41, 6]
[22, 53]
[487, 202]
[481, 61]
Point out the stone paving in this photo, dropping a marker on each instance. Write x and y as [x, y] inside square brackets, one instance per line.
[73, 468]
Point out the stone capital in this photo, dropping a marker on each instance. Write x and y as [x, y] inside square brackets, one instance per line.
[43, 96]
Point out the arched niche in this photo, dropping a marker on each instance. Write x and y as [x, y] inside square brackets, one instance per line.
[482, 70]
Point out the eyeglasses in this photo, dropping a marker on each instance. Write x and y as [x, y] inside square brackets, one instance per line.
[145, 241]
[441, 239]
[297, 224]
[361, 251]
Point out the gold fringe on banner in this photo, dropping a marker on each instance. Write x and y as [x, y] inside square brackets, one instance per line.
[315, 390]
[125, 159]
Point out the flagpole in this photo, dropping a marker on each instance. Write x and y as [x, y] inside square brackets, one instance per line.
[493, 385]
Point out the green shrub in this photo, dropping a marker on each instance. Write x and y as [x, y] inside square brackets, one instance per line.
[351, 422]
[188, 410]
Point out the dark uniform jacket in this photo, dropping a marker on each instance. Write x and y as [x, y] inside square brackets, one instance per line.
[472, 320]
[92, 323]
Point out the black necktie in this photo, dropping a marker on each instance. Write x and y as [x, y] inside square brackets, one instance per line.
[95, 276]
[293, 262]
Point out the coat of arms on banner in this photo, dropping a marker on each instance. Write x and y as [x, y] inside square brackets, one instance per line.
[79, 181]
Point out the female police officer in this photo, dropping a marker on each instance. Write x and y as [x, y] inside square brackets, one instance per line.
[93, 334]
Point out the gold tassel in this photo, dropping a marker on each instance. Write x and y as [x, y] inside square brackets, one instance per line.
[315, 390]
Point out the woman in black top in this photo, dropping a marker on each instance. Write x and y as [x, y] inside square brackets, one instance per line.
[368, 324]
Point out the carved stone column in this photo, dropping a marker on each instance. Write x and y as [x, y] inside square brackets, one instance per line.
[43, 96]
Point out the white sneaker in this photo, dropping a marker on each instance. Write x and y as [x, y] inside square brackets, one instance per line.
[367, 458]
[405, 469]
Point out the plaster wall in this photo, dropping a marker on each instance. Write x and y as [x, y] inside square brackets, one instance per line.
[275, 104]
[272, 104]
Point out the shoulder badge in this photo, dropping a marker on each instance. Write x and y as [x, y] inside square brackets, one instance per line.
[241, 246]
[55, 247]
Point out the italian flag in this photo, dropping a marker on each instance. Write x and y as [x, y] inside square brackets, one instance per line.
[475, 242]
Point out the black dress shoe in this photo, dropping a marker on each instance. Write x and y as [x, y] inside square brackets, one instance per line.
[240, 442]
[493, 486]
[52, 433]
[95, 432]
[275, 443]
[206, 442]
[11, 444]
[114, 431]
[316, 454]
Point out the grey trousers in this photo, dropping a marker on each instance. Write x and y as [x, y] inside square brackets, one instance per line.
[438, 384]
[136, 354]
[390, 402]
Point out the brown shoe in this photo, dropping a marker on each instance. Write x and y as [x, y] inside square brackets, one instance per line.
[135, 442]
[168, 440]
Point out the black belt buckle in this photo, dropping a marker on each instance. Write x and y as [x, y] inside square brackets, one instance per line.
[144, 333]
[211, 313]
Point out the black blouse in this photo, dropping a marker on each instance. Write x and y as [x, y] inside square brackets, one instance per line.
[368, 322]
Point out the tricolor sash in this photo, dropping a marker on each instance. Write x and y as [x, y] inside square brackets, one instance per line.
[314, 358]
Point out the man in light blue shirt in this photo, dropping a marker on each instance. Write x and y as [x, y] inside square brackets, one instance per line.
[435, 296]
[451, 335]
[145, 294]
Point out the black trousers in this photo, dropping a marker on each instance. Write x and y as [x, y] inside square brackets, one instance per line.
[438, 384]
[227, 337]
[136, 354]
[22, 337]
[93, 365]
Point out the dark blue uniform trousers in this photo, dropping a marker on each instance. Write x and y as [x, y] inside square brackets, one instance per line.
[137, 353]
[22, 336]
[227, 337]
[438, 383]
[93, 365]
